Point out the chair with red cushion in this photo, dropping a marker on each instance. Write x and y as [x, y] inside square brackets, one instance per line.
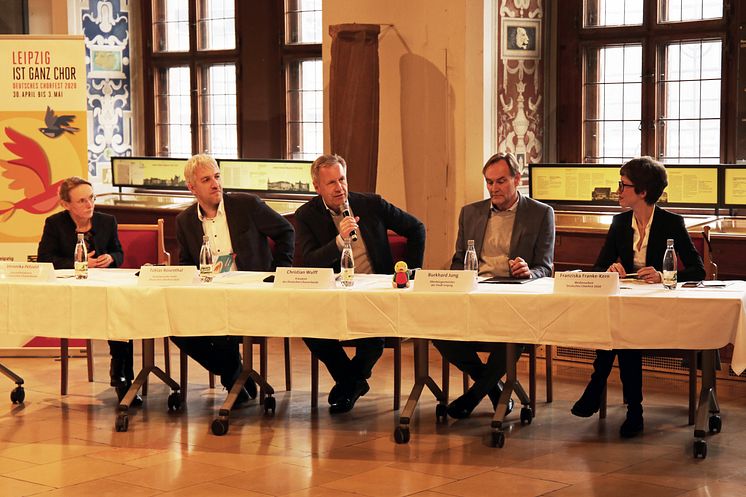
[142, 244]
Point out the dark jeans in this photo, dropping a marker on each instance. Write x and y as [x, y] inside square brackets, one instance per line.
[340, 366]
[219, 355]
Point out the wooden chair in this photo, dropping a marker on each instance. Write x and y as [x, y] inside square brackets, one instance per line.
[142, 244]
[688, 357]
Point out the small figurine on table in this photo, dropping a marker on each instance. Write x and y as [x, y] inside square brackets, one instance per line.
[401, 275]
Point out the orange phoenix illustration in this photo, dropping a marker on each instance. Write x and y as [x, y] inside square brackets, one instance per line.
[31, 173]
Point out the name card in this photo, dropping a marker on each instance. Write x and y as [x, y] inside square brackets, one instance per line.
[446, 280]
[38, 271]
[586, 283]
[166, 276]
[304, 277]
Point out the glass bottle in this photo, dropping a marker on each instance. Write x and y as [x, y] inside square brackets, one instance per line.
[205, 261]
[81, 258]
[347, 265]
[669, 266]
[471, 261]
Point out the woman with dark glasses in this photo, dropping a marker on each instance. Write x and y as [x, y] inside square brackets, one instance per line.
[635, 243]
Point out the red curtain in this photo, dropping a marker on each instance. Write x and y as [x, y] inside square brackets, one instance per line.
[353, 101]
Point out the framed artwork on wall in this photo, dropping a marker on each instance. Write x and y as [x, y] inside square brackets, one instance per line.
[520, 38]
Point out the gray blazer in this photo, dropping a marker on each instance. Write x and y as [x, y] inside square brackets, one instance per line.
[532, 238]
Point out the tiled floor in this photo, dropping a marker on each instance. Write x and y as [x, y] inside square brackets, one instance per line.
[59, 446]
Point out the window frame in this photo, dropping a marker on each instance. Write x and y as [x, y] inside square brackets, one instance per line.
[574, 39]
[260, 57]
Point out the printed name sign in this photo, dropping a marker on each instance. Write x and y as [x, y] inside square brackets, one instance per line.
[166, 275]
[586, 283]
[40, 271]
[445, 280]
[304, 277]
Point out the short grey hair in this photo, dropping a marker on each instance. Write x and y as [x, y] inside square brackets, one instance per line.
[326, 160]
[194, 162]
[510, 159]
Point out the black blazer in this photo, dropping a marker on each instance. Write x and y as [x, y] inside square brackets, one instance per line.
[317, 232]
[58, 240]
[618, 245]
[250, 223]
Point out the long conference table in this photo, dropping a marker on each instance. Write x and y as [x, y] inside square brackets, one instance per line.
[111, 305]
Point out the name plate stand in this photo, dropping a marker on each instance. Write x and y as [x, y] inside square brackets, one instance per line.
[586, 283]
[445, 280]
[166, 276]
[310, 277]
[32, 271]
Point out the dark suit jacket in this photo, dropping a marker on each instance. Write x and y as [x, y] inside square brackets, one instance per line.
[317, 232]
[58, 241]
[250, 222]
[618, 245]
[532, 238]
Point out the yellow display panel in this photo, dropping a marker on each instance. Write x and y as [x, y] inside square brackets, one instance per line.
[274, 176]
[691, 185]
[735, 186]
[150, 172]
[574, 184]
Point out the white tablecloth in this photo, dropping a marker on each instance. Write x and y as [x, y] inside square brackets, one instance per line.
[110, 304]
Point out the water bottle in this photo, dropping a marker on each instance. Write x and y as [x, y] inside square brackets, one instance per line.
[669, 266]
[205, 261]
[471, 261]
[347, 265]
[81, 258]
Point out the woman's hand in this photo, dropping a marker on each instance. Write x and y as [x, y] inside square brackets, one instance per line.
[617, 268]
[101, 261]
[649, 275]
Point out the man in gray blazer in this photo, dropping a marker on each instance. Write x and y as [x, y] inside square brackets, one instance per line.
[514, 237]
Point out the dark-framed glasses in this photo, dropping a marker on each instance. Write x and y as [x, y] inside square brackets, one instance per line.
[623, 185]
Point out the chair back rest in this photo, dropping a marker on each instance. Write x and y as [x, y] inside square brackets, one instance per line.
[398, 246]
[711, 269]
[143, 244]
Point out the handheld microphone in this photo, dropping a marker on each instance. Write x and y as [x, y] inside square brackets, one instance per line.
[346, 213]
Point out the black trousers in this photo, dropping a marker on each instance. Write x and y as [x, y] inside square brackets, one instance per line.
[340, 366]
[630, 372]
[121, 359]
[464, 356]
[219, 355]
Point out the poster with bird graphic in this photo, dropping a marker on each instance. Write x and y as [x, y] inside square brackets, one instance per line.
[42, 133]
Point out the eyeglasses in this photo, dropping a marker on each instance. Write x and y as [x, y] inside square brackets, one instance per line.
[623, 185]
[85, 201]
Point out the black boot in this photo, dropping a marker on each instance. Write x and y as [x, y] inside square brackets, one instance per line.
[633, 425]
[116, 372]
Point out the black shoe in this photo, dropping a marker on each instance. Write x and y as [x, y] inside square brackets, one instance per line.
[250, 387]
[243, 397]
[494, 395]
[336, 393]
[632, 426]
[349, 397]
[586, 406]
[116, 373]
[461, 407]
[122, 391]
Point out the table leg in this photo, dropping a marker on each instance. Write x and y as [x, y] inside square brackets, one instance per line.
[18, 394]
[220, 424]
[174, 399]
[511, 385]
[422, 379]
[708, 409]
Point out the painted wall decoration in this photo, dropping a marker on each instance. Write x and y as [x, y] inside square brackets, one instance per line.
[521, 76]
[106, 29]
